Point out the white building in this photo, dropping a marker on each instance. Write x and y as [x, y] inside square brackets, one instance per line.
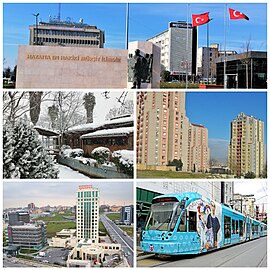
[87, 213]
[244, 204]
[210, 189]
[178, 47]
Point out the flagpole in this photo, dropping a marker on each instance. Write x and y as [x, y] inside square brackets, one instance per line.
[187, 41]
[127, 24]
[225, 40]
[208, 51]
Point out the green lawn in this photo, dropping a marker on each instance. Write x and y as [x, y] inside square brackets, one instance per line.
[178, 85]
[54, 227]
[57, 217]
[128, 230]
[163, 174]
[113, 216]
[102, 229]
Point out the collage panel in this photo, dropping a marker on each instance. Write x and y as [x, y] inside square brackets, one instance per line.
[72, 74]
[68, 224]
[68, 134]
[205, 135]
[135, 45]
[201, 223]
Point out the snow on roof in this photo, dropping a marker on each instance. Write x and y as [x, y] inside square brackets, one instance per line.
[46, 131]
[91, 126]
[109, 132]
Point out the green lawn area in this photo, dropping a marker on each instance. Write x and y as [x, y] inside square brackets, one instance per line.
[54, 227]
[57, 217]
[102, 228]
[163, 174]
[128, 230]
[178, 85]
[113, 216]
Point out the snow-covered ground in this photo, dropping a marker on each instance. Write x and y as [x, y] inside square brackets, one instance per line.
[68, 173]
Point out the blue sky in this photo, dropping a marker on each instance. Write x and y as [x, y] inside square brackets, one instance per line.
[146, 20]
[216, 111]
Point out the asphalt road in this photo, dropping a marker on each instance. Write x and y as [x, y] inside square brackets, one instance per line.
[121, 238]
[249, 254]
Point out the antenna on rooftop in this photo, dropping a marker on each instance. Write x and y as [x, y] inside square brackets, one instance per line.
[59, 12]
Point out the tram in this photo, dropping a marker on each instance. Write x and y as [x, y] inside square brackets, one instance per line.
[189, 223]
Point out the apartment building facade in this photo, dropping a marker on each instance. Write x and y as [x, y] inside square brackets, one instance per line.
[164, 132]
[246, 151]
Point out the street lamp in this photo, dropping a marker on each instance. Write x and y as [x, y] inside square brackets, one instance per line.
[36, 35]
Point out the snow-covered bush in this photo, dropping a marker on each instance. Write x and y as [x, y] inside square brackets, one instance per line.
[87, 161]
[77, 152]
[67, 152]
[101, 154]
[123, 159]
[24, 155]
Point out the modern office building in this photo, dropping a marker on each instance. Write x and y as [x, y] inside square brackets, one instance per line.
[18, 218]
[126, 214]
[165, 134]
[178, 48]
[66, 33]
[87, 213]
[198, 151]
[243, 70]
[29, 236]
[246, 151]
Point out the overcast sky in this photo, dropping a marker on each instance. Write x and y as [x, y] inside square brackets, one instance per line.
[20, 194]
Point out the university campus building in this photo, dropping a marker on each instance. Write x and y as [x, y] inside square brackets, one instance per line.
[66, 33]
[246, 151]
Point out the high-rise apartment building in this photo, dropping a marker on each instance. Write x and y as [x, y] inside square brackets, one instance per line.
[87, 213]
[198, 156]
[178, 47]
[66, 33]
[164, 132]
[246, 152]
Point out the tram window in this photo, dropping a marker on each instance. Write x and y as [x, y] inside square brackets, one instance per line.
[192, 221]
[183, 223]
[236, 227]
[233, 226]
[227, 227]
[241, 225]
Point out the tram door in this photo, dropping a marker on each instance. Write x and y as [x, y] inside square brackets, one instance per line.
[227, 230]
[248, 230]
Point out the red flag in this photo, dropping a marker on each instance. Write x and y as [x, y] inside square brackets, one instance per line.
[236, 15]
[200, 19]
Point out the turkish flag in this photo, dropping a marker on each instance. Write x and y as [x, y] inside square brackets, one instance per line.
[200, 19]
[236, 15]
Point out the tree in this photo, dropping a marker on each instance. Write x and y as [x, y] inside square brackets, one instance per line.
[246, 59]
[66, 111]
[35, 102]
[126, 108]
[250, 175]
[264, 172]
[165, 75]
[89, 104]
[177, 163]
[14, 74]
[7, 72]
[24, 156]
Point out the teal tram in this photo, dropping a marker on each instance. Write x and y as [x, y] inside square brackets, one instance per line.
[189, 223]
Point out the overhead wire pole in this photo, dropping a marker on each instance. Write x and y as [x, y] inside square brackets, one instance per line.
[127, 24]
